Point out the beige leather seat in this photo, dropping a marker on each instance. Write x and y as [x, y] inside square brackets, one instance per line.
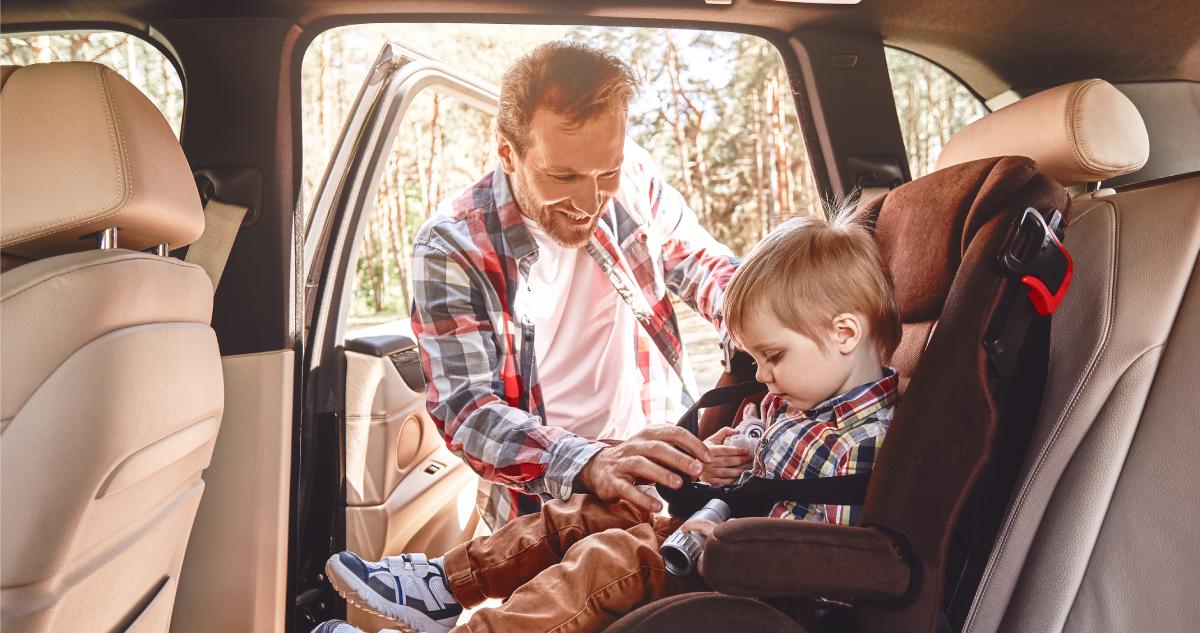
[111, 377]
[1102, 532]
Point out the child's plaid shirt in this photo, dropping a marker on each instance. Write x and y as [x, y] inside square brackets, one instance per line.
[470, 262]
[840, 436]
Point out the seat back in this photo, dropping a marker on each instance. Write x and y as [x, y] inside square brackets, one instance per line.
[1080, 132]
[1097, 536]
[112, 392]
[1101, 533]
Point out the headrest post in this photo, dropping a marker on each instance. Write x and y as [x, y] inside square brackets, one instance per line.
[107, 239]
[112, 161]
[162, 250]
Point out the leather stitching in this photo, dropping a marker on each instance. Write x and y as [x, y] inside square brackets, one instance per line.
[1077, 138]
[125, 256]
[1073, 121]
[124, 186]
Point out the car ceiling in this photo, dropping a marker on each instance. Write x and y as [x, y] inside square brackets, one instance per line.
[990, 45]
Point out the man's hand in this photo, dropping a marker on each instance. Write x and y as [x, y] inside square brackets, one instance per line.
[728, 462]
[652, 456]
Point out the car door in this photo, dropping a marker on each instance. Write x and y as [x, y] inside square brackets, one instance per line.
[375, 477]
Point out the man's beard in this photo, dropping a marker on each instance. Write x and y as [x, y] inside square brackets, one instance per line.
[551, 220]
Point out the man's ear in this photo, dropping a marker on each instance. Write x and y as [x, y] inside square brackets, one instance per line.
[508, 154]
[847, 332]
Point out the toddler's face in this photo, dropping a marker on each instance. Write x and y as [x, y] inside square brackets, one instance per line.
[802, 371]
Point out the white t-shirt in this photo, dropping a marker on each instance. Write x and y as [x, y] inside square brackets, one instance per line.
[584, 343]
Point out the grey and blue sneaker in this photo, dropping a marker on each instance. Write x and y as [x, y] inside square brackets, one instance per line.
[409, 589]
[339, 626]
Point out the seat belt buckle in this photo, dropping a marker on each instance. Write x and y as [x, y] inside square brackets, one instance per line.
[1034, 253]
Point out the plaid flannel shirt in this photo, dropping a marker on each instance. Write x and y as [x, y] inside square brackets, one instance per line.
[470, 262]
[840, 436]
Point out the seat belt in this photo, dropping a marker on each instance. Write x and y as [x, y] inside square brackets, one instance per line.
[221, 223]
[757, 495]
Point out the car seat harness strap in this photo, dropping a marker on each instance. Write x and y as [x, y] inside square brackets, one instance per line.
[755, 496]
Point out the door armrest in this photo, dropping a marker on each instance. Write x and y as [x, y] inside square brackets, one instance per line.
[401, 349]
[380, 346]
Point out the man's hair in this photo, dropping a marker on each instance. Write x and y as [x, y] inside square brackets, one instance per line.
[806, 271]
[569, 78]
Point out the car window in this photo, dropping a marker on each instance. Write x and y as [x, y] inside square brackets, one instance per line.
[715, 111]
[132, 57]
[932, 105]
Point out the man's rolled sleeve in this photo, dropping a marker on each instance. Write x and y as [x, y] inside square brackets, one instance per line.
[466, 379]
[568, 456]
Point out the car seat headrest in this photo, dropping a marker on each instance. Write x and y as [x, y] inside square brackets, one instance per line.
[86, 151]
[923, 227]
[1084, 131]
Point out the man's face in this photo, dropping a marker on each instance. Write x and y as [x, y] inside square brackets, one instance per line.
[567, 177]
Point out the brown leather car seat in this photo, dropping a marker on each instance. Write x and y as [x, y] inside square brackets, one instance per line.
[112, 389]
[945, 424]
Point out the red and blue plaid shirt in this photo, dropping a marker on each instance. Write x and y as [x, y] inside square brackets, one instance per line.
[840, 436]
[470, 262]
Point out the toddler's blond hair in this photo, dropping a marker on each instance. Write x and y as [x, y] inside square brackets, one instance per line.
[808, 270]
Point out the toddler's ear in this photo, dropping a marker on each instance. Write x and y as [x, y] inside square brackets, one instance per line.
[847, 332]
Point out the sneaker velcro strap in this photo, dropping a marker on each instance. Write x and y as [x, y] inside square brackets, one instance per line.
[408, 564]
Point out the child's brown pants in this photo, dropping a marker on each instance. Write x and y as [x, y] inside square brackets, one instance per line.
[555, 579]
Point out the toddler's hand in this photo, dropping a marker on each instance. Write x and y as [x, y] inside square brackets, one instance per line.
[728, 462]
[702, 526]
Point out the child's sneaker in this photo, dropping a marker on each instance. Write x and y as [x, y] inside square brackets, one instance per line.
[408, 588]
[339, 626]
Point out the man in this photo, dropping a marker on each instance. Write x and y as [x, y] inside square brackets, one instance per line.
[546, 333]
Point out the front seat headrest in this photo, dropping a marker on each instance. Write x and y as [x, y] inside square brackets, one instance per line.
[85, 151]
[1085, 131]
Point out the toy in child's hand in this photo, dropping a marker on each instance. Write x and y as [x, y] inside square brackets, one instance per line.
[749, 431]
[682, 549]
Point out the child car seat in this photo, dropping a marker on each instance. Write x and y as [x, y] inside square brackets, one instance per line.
[894, 564]
[943, 237]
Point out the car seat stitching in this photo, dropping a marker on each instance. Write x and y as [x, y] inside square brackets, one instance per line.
[122, 178]
[1116, 483]
[124, 258]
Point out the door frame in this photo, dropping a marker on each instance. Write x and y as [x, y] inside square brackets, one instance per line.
[344, 198]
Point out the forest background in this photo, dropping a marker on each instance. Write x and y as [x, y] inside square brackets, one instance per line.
[715, 110]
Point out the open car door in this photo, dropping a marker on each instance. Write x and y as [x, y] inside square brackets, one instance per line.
[374, 475]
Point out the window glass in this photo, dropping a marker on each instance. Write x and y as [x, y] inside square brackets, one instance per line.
[715, 111]
[932, 105]
[134, 58]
